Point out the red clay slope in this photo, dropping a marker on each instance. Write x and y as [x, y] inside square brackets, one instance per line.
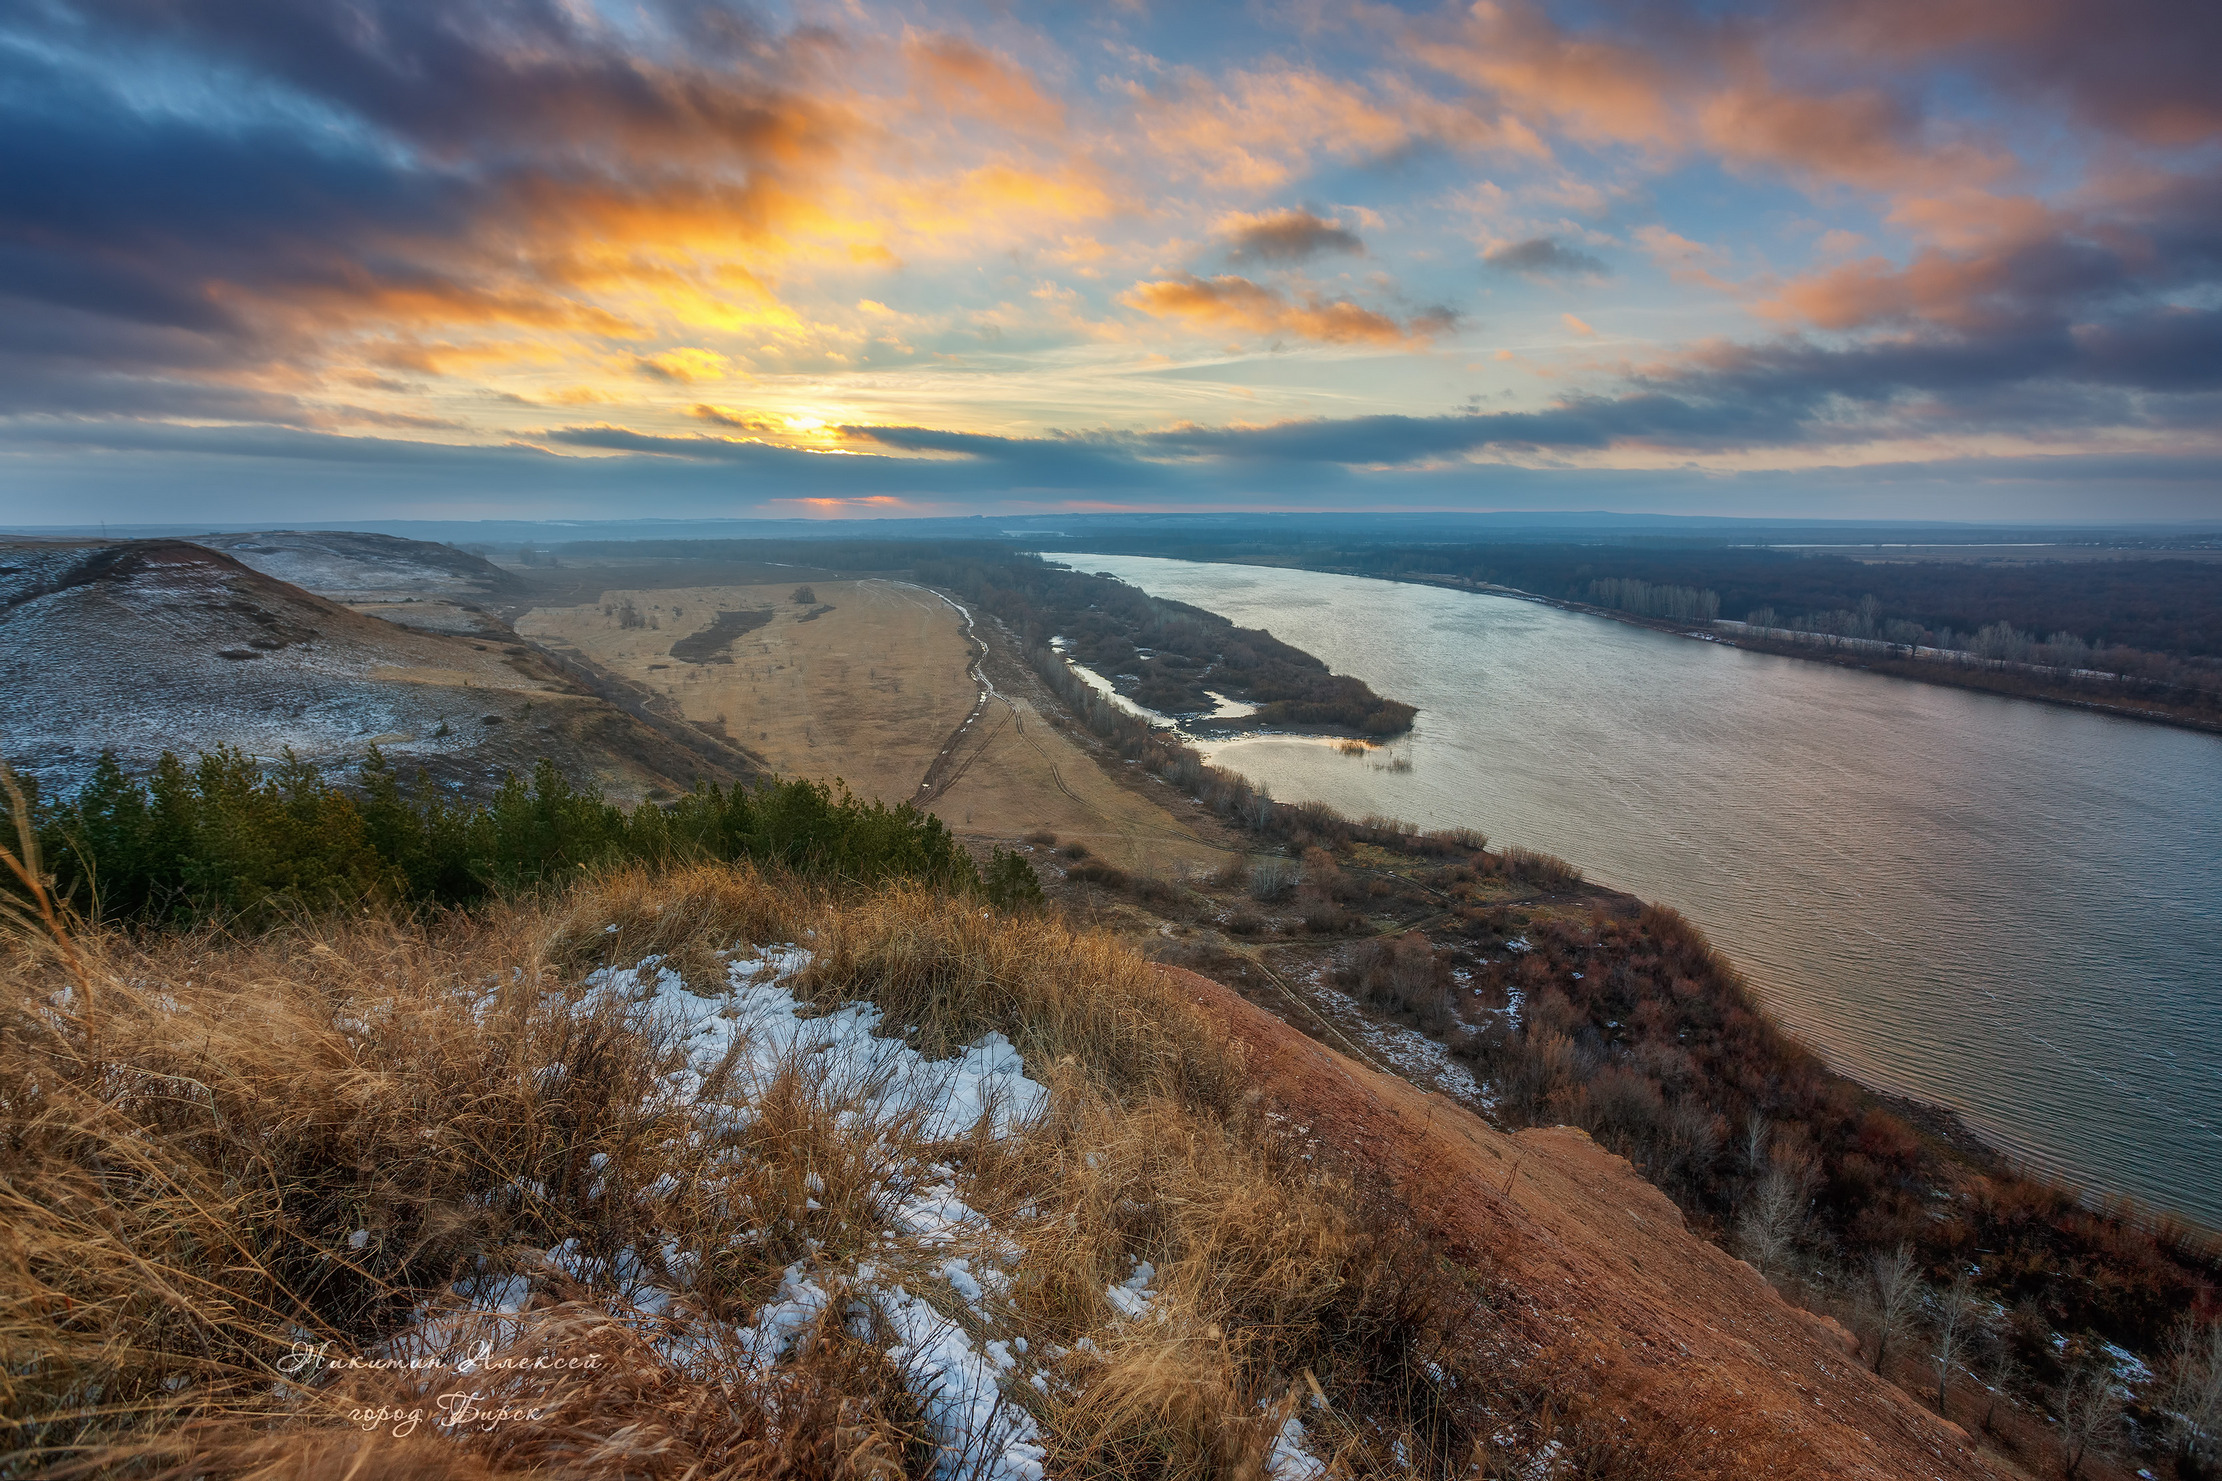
[1613, 1279]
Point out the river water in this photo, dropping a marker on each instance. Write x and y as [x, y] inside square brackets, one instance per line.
[2011, 908]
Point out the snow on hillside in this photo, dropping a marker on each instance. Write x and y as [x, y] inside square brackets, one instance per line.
[162, 646]
[934, 1292]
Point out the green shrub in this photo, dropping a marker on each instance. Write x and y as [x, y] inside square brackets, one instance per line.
[1010, 882]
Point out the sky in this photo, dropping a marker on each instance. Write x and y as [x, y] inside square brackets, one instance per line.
[330, 259]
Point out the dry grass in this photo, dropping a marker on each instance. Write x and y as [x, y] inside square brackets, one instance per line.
[339, 1132]
[867, 690]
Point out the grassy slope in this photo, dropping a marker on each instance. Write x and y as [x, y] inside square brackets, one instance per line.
[197, 1132]
[198, 1127]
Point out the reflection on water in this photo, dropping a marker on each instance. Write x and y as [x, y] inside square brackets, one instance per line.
[2008, 907]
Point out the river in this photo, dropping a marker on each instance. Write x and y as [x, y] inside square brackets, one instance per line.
[2010, 908]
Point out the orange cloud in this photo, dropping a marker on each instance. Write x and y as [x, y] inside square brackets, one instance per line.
[1693, 88]
[859, 501]
[964, 79]
[1254, 130]
[726, 416]
[1977, 265]
[1861, 136]
[685, 366]
[1598, 91]
[1232, 302]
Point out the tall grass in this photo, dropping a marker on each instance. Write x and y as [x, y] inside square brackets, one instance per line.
[337, 1130]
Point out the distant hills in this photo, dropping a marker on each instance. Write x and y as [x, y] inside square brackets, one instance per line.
[143, 646]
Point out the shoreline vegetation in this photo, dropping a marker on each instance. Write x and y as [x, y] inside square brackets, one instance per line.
[1178, 660]
[2069, 682]
[2012, 641]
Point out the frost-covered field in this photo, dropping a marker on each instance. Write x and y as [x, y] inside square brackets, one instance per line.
[353, 567]
[171, 649]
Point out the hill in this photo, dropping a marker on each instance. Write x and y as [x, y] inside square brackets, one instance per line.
[415, 583]
[147, 646]
[1699, 1352]
[715, 1172]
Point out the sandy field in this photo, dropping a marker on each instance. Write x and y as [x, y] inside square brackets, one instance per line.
[864, 685]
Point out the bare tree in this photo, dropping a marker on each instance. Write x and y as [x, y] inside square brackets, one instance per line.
[1757, 1133]
[2192, 1395]
[1958, 1325]
[1773, 1218]
[2090, 1415]
[2002, 1373]
[1898, 1294]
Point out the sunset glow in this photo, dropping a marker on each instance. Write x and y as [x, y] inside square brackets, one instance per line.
[1953, 258]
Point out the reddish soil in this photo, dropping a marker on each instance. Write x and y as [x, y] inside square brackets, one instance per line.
[1662, 1320]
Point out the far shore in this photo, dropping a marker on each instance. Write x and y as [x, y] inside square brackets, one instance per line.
[1922, 671]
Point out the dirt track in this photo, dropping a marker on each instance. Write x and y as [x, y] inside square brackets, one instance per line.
[1011, 772]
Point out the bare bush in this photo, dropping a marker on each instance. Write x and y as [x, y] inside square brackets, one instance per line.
[1895, 1293]
[1547, 870]
[1272, 879]
[1957, 1330]
[1773, 1218]
[1542, 1073]
[2192, 1393]
[1406, 975]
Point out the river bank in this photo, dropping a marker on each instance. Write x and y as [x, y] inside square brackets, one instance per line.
[2003, 908]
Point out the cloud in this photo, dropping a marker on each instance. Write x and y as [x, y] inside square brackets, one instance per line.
[2142, 68]
[877, 503]
[1676, 78]
[359, 213]
[2005, 265]
[1094, 462]
[966, 79]
[152, 472]
[685, 366]
[1543, 257]
[1286, 236]
[460, 177]
[1253, 129]
[1230, 302]
[2168, 349]
[725, 416]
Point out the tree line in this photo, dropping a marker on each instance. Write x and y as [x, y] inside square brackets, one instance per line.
[2162, 606]
[1674, 603]
[225, 838]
